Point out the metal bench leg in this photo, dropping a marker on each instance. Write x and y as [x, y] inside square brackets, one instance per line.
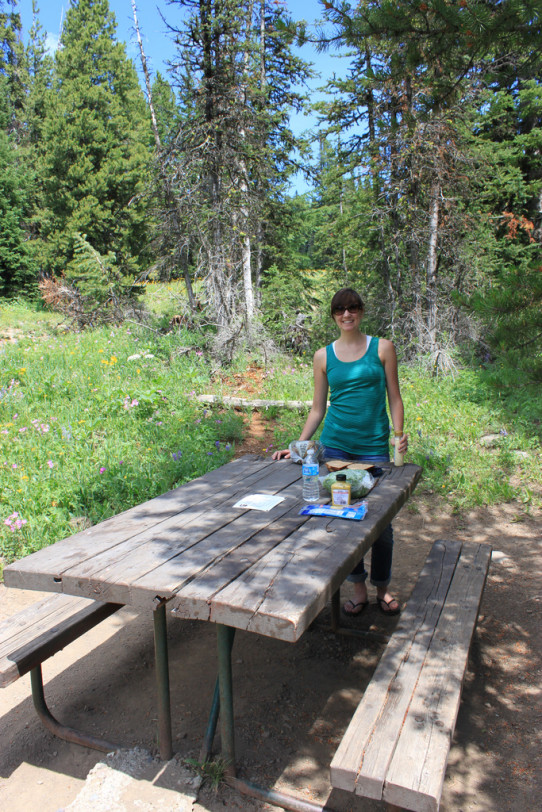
[162, 680]
[55, 727]
[225, 635]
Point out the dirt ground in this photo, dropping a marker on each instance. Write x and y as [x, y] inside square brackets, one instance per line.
[293, 702]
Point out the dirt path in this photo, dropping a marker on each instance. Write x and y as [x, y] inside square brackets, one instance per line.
[293, 702]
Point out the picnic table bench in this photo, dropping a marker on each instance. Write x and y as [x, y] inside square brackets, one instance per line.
[396, 746]
[38, 632]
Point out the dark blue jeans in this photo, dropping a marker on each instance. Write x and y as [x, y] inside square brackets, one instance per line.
[382, 549]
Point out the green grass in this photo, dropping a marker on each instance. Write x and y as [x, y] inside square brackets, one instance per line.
[19, 318]
[447, 419]
[93, 423]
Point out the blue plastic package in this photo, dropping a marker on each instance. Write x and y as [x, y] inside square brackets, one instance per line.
[355, 512]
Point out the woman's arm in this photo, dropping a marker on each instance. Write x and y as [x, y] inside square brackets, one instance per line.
[388, 357]
[319, 401]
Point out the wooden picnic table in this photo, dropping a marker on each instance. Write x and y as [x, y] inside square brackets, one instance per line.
[193, 551]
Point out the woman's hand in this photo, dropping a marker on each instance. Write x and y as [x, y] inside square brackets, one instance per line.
[401, 443]
[278, 455]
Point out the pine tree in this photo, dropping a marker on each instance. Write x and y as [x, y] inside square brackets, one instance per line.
[95, 147]
[509, 140]
[235, 73]
[419, 68]
[17, 270]
[16, 267]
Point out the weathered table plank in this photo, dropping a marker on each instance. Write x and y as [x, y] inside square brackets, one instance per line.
[293, 582]
[270, 572]
[44, 570]
[194, 599]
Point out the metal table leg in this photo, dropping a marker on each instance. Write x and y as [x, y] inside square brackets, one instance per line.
[207, 746]
[225, 636]
[162, 679]
[336, 610]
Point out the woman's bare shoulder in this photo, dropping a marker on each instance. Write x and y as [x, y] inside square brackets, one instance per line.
[386, 346]
[386, 352]
[319, 361]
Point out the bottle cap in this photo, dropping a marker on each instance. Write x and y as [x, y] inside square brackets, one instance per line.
[340, 478]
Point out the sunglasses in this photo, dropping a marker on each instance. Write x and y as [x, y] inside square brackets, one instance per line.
[340, 309]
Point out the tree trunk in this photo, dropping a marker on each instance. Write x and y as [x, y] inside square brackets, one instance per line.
[246, 250]
[432, 265]
[169, 196]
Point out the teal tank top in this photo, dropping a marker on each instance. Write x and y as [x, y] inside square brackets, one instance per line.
[357, 420]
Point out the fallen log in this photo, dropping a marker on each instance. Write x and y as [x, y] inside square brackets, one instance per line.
[244, 403]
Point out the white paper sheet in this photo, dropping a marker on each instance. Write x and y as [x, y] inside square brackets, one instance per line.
[259, 501]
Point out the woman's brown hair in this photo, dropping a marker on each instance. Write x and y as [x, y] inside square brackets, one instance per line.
[345, 297]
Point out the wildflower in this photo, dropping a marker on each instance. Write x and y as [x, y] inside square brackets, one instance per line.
[14, 522]
[22, 429]
[102, 470]
[217, 443]
[227, 447]
[50, 463]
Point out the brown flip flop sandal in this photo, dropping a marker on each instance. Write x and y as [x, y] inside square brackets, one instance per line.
[355, 611]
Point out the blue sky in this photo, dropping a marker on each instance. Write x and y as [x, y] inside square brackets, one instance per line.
[158, 45]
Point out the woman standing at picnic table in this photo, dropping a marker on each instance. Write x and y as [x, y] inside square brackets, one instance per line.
[358, 370]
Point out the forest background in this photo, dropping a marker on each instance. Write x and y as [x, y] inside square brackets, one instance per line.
[426, 195]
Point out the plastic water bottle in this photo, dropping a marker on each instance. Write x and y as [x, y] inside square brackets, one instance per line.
[310, 469]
